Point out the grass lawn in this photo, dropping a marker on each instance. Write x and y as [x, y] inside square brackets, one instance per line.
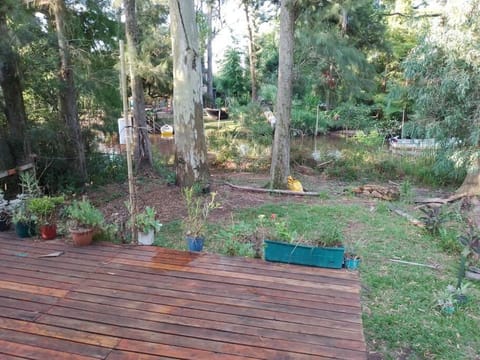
[401, 319]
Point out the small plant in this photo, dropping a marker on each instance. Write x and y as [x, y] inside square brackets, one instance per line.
[406, 192]
[329, 236]
[7, 208]
[470, 241]
[84, 215]
[433, 218]
[446, 301]
[449, 299]
[146, 222]
[22, 215]
[44, 208]
[198, 210]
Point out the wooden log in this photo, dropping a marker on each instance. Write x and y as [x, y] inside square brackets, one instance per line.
[274, 191]
[409, 217]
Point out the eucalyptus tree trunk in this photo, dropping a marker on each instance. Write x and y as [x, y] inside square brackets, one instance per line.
[280, 166]
[190, 146]
[11, 85]
[471, 183]
[252, 51]
[143, 151]
[210, 55]
[67, 94]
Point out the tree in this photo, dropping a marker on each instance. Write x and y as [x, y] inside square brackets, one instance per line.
[250, 8]
[143, 152]
[442, 73]
[280, 166]
[67, 92]
[231, 81]
[12, 89]
[190, 145]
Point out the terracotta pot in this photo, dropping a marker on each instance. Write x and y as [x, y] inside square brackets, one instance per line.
[82, 237]
[48, 232]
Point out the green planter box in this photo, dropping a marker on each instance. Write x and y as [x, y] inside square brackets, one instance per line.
[304, 255]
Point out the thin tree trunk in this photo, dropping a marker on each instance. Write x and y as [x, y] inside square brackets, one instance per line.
[143, 151]
[210, 56]
[190, 145]
[251, 51]
[67, 93]
[280, 167]
[11, 85]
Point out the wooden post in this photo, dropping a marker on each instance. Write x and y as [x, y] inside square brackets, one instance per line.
[128, 138]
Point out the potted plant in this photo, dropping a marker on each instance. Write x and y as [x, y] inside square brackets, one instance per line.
[351, 259]
[289, 247]
[25, 221]
[84, 220]
[6, 210]
[147, 225]
[198, 210]
[45, 210]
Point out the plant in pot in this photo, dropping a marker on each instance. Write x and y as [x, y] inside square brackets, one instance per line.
[351, 259]
[6, 210]
[147, 225]
[45, 210]
[24, 220]
[198, 210]
[325, 250]
[84, 219]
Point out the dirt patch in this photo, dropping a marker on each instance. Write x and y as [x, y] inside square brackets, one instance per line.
[152, 190]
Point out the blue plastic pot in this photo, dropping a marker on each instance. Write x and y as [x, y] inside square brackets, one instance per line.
[352, 264]
[195, 243]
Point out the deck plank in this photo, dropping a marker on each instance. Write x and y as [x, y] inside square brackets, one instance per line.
[123, 302]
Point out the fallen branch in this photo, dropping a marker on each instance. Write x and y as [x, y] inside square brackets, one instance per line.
[442, 201]
[274, 191]
[409, 217]
[324, 163]
[414, 263]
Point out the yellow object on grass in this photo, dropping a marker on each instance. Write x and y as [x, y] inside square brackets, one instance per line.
[294, 184]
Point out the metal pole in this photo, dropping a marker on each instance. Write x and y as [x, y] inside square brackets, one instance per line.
[128, 130]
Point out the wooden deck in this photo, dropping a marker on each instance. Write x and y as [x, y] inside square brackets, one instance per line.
[118, 303]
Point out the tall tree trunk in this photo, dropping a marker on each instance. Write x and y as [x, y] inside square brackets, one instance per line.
[252, 50]
[67, 94]
[11, 85]
[190, 145]
[280, 167]
[143, 151]
[210, 56]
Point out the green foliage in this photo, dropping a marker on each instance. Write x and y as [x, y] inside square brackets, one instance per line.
[348, 115]
[406, 192]
[443, 78]
[434, 218]
[108, 232]
[235, 240]
[146, 221]
[304, 120]
[45, 208]
[231, 81]
[198, 210]
[106, 168]
[84, 215]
